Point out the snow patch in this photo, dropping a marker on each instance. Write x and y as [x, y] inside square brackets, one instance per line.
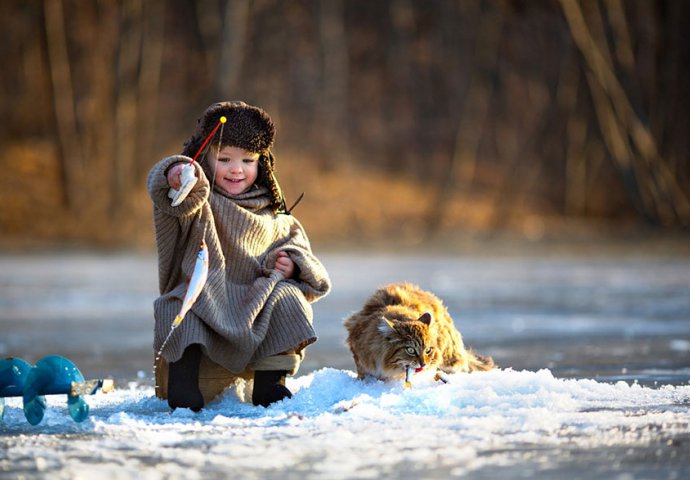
[337, 426]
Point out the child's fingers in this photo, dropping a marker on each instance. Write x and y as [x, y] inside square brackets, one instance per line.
[174, 181]
[174, 175]
[284, 264]
[281, 268]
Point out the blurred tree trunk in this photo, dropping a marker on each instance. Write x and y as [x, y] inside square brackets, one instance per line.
[233, 41]
[672, 97]
[209, 24]
[575, 202]
[126, 103]
[473, 115]
[153, 43]
[98, 126]
[398, 105]
[63, 99]
[332, 107]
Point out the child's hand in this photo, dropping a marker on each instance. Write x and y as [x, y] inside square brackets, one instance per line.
[285, 265]
[174, 176]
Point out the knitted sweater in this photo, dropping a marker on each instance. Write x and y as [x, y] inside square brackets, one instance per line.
[247, 310]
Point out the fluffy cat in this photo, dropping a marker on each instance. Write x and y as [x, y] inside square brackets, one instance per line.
[402, 326]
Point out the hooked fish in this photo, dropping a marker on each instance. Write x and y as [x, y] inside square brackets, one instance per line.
[408, 375]
[439, 376]
[196, 283]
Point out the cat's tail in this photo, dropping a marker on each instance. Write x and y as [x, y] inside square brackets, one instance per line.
[479, 363]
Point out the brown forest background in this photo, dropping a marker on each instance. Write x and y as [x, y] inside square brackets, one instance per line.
[402, 120]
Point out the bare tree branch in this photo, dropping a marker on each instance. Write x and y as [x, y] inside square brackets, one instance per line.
[619, 122]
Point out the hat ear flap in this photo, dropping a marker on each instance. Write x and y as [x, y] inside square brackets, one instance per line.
[270, 160]
[267, 162]
[278, 192]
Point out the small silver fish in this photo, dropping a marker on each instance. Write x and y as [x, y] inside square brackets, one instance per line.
[196, 283]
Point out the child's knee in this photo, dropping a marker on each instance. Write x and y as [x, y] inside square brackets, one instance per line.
[288, 362]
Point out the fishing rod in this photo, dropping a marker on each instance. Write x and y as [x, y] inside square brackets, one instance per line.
[200, 272]
[187, 177]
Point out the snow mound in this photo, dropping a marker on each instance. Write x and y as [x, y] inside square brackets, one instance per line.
[337, 426]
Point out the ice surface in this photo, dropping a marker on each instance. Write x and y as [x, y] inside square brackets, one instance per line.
[599, 347]
[337, 426]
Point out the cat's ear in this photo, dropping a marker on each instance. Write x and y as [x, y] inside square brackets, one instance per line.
[426, 318]
[385, 325]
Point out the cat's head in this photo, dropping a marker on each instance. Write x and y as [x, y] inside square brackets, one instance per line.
[411, 342]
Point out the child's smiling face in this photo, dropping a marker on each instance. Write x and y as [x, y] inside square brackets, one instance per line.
[235, 169]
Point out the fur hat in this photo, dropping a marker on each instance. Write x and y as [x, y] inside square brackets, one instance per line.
[249, 128]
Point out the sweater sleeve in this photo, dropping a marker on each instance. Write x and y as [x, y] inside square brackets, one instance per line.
[173, 223]
[158, 188]
[313, 280]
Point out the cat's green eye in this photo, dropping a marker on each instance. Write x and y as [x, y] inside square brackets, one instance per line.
[410, 350]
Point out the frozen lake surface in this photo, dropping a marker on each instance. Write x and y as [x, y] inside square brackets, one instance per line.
[594, 351]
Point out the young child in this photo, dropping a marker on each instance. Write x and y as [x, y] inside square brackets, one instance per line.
[254, 312]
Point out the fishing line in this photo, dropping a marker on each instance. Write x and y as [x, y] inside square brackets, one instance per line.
[221, 122]
[220, 140]
[221, 125]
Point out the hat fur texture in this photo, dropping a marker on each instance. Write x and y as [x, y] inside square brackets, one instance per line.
[247, 127]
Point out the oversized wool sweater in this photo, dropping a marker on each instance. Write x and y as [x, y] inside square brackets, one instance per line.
[247, 310]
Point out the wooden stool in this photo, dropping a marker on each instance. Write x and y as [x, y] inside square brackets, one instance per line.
[213, 379]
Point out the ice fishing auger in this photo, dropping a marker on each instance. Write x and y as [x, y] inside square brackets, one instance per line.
[52, 375]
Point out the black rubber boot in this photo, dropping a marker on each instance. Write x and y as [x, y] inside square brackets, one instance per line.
[183, 381]
[269, 387]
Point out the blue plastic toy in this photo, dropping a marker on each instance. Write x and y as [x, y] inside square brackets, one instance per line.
[50, 376]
